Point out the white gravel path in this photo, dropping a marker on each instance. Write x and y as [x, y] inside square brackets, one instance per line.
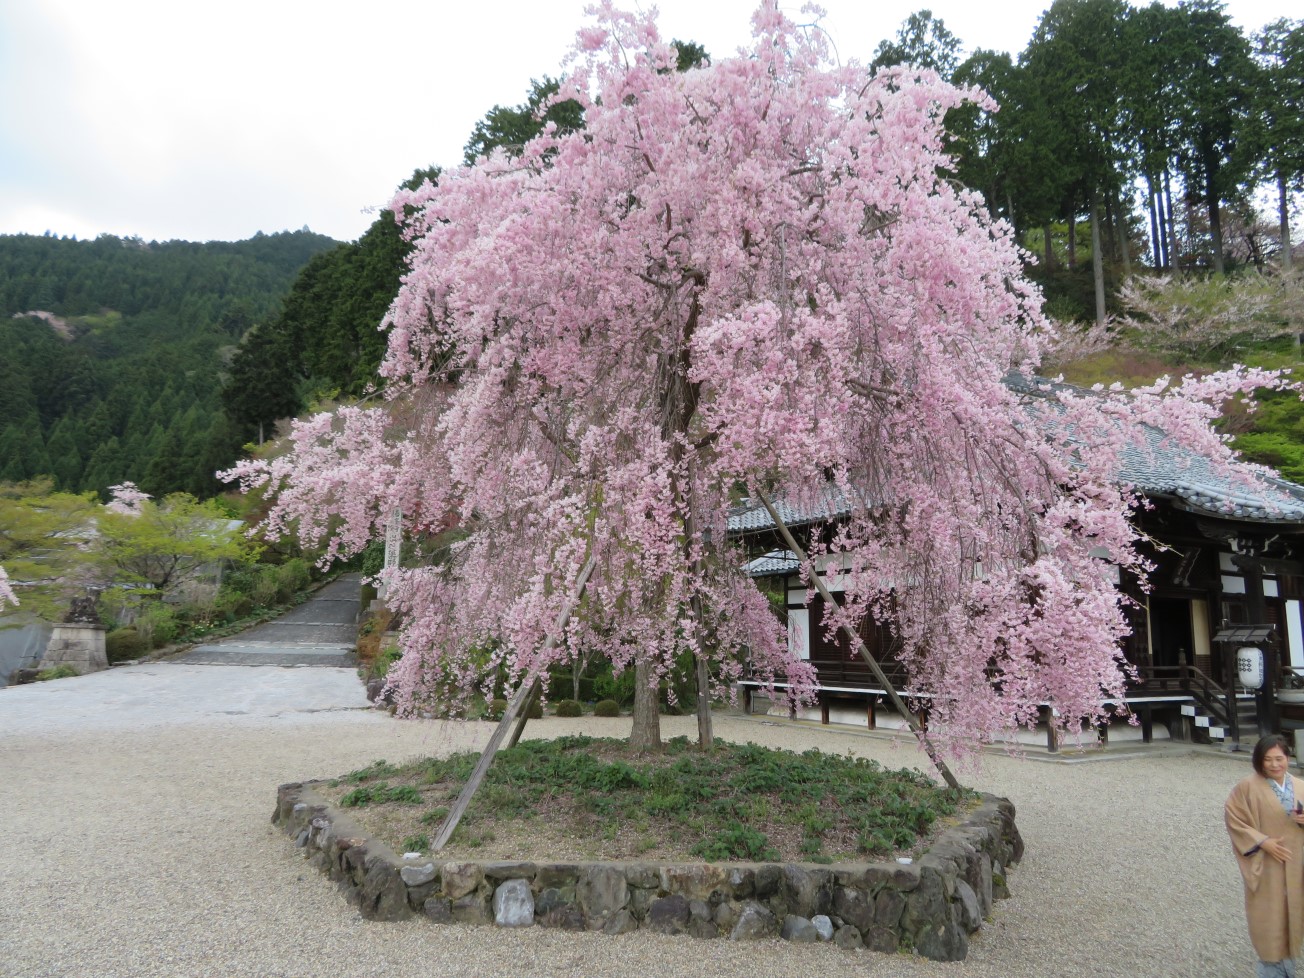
[135, 841]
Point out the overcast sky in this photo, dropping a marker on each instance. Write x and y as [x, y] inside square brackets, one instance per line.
[199, 120]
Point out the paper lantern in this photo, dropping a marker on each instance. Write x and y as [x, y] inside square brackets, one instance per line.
[1249, 666]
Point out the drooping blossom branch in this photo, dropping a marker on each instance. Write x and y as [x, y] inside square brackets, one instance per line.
[748, 275]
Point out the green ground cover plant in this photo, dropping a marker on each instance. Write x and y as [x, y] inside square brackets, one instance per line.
[578, 797]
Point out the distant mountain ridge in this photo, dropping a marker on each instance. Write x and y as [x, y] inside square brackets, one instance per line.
[123, 380]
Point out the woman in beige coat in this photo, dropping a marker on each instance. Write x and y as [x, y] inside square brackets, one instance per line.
[1265, 819]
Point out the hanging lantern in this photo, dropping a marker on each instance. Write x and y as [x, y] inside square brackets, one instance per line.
[1249, 666]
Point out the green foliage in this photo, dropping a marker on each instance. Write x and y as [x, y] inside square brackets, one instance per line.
[416, 843]
[121, 372]
[380, 794]
[170, 542]
[535, 710]
[726, 803]
[63, 671]
[124, 644]
[569, 708]
[606, 708]
[46, 545]
[609, 687]
[377, 769]
[495, 709]
[735, 842]
[157, 624]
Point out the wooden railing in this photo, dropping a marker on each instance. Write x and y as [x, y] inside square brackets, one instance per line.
[1218, 701]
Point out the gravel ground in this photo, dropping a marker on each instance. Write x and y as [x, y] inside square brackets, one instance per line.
[135, 841]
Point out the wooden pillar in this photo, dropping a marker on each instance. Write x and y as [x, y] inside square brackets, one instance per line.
[1052, 732]
[1147, 724]
[824, 708]
[870, 716]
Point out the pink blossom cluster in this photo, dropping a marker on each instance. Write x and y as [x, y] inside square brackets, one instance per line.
[126, 499]
[749, 276]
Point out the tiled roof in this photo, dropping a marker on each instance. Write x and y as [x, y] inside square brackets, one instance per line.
[775, 562]
[1160, 469]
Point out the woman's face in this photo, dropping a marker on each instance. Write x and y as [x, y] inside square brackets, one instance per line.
[1275, 763]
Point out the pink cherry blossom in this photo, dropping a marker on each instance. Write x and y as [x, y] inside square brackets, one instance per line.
[755, 275]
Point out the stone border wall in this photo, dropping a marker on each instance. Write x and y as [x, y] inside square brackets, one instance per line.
[930, 906]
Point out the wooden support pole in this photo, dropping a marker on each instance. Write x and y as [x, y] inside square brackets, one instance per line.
[859, 644]
[525, 715]
[523, 693]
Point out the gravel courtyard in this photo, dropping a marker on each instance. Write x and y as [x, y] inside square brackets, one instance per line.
[136, 841]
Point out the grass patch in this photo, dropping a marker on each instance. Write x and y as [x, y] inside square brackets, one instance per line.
[579, 797]
[63, 671]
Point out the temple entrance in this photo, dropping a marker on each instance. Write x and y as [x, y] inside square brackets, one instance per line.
[1170, 631]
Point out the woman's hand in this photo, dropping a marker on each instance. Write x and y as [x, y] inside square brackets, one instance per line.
[1276, 849]
[1298, 816]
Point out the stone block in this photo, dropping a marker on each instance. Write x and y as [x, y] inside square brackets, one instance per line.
[383, 895]
[507, 870]
[669, 915]
[645, 876]
[741, 880]
[823, 926]
[418, 873]
[807, 892]
[942, 939]
[703, 929]
[970, 912]
[889, 905]
[848, 938]
[799, 930]
[853, 907]
[755, 921]
[885, 940]
[471, 909]
[768, 880]
[601, 891]
[695, 881]
[514, 904]
[903, 877]
[621, 922]
[438, 909]
[461, 879]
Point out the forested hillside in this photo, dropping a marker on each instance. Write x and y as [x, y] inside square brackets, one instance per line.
[114, 350]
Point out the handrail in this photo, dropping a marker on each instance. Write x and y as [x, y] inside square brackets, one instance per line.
[1218, 702]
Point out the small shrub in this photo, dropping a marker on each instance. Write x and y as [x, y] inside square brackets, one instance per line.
[606, 708]
[292, 577]
[736, 842]
[416, 843]
[123, 644]
[610, 687]
[495, 709]
[64, 671]
[535, 710]
[157, 624]
[358, 796]
[569, 708]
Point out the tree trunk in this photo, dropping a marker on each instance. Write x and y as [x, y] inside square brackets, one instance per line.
[705, 734]
[1050, 247]
[1073, 240]
[1174, 252]
[1156, 237]
[1097, 261]
[1124, 246]
[1283, 216]
[1214, 206]
[645, 734]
